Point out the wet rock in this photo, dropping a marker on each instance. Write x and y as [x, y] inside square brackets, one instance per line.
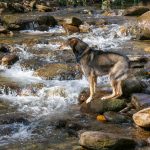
[33, 64]
[135, 11]
[59, 71]
[140, 100]
[116, 117]
[95, 140]
[9, 59]
[73, 21]
[47, 20]
[22, 22]
[142, 118]
[4, 48]
[144, 24]
[62, 56]
[70, 28]
[130, 86]
[13, 118]
[43, 8]
[100, 106]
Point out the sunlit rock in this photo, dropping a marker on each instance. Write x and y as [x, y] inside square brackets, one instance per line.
[144, 24]
[70, 28]
[43, 8]
[142, 118]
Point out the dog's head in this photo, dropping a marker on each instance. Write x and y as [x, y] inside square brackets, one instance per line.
[77, 45]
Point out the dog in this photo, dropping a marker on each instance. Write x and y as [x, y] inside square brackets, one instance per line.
[96, 63]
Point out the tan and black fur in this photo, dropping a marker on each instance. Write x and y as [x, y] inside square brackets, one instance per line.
[96, 63]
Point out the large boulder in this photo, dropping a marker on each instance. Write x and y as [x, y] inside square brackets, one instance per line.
[59, 71]
[96, 140]
[144, 24]
[140, 100]
[135, 11]
[142, 118]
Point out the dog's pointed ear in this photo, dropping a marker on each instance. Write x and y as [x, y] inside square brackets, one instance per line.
[72, 41]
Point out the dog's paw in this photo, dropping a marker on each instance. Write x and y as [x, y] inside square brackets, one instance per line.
[89, 99]
[103, 98]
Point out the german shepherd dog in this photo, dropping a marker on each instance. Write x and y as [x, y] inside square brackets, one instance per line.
[96, 63]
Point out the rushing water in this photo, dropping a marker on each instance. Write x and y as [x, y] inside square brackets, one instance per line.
[55, 96]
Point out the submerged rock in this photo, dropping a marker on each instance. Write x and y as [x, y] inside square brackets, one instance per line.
[59, 71]
[96, 140]
[135, 11]
[140, 100]
[144, 24]
[142, 118]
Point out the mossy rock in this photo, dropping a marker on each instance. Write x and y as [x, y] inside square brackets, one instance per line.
[101, 106]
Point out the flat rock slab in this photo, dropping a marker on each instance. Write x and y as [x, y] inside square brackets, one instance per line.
[140, 100]
[142, 118]
[96, 140]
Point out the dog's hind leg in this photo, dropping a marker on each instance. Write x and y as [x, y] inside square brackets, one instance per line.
[91, 81]
[119, 88]
[114, 90]
[95, 83]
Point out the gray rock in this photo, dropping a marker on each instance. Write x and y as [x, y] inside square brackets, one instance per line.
[142, 118]
[96, 140]
[130, 86]
[13, 117]
[140, 100]
[116, 117]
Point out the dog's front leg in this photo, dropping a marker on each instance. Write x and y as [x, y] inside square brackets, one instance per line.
[91, 81]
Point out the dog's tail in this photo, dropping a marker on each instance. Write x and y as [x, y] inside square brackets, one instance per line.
[139, 66]
[138, 61]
